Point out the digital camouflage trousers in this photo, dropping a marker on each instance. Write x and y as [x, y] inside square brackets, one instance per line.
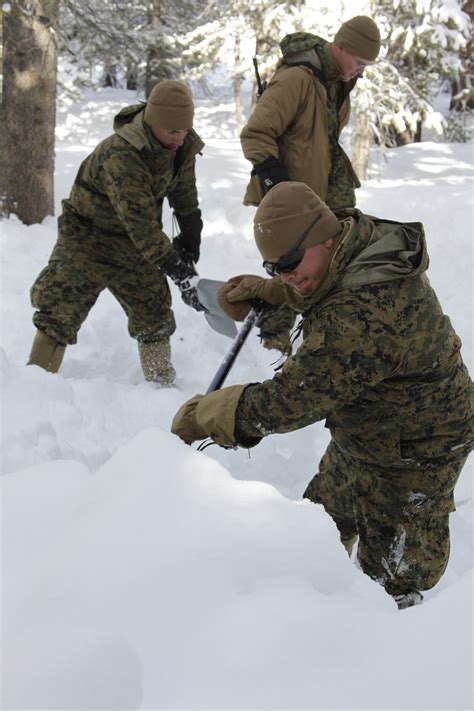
[401, 515]
[78, 271]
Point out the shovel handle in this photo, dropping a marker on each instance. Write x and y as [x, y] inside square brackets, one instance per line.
[226, 365]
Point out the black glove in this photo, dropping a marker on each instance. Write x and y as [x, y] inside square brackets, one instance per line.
[185, 277]
[188, 242]
[182, 251]
[189, 293]
[270, 172]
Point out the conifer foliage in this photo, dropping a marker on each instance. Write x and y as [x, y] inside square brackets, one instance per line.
[134, 43]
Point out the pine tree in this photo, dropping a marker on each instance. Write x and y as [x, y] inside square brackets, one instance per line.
[136, 42]
[424, 41]
[421, 40]
[233, 33]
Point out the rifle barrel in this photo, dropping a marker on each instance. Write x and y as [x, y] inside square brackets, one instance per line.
[260, 85]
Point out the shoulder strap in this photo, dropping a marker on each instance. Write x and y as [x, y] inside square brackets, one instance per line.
[317, 72]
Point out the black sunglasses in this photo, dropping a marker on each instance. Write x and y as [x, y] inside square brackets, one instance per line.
[291, 259]
[285, 264]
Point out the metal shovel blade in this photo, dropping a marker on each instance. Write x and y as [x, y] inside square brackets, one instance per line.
[207, 294]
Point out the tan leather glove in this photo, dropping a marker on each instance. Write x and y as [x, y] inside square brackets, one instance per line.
[237, 296]
[211, 415]
[185, 424]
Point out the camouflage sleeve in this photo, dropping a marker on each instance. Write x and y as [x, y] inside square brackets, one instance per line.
[183, 196]
[128, 185]
[332, 368]
[344, 114]
[277, 320]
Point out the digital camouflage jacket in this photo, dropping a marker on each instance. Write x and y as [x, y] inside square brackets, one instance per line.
[120, 188]
[379, 361]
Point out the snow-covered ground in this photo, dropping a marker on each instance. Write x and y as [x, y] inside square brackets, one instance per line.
[138, 573]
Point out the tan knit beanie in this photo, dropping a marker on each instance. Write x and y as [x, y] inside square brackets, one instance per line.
[170, 106]
[359, 37]
[285, 212]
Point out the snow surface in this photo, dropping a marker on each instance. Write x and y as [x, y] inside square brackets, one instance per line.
[138, 573]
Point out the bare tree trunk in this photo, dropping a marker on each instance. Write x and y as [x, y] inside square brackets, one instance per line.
[132, 76]
[253, 101]
[362, 143]
[28, 112]
[462, 94]
[109, 77]
[158, 65]
[237, 81]
[259, 46]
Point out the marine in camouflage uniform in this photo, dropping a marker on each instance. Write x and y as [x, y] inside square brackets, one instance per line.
[294, 130]
[379, 361]
[110, 230]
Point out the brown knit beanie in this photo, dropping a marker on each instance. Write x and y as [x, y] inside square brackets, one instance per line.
[359, 37]
[285, 212]
[170, 106]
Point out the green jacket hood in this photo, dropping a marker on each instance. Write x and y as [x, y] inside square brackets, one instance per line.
[129, 129]
[382, 250]
[128, 124]
[371, 251]
[306, 49]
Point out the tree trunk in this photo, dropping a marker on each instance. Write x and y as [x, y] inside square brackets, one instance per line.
[158, 66]
[362, 143]
[109, 77]
[405, 139]
[237, 81]
[253, 101]
[28, 112]
[395, 139]
[132, 76]
[259, 47]
[462, 95]
[417, 138]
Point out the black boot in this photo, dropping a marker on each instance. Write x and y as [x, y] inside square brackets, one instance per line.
[408, 599]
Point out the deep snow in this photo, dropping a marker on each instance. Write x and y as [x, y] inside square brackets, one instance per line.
[140, 573]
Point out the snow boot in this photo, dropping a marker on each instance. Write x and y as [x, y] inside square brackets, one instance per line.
[349, 543]
[155, 359]
[46, 352]
[408, 599]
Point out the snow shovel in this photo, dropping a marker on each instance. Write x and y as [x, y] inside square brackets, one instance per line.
[229, 360]
[207, 294]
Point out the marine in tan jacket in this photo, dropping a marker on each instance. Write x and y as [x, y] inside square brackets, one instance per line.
[293, 132]
[380, 362]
